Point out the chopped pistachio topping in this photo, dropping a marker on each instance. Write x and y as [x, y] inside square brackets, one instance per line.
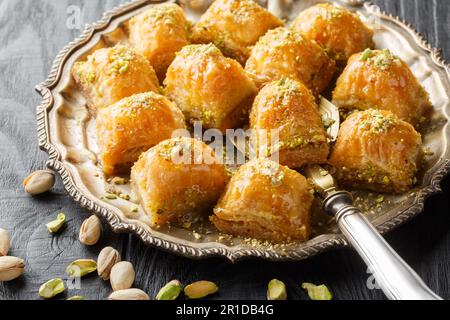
[333, 12]
[120, 58]
[199, 49]
[272, 170]
[377, 122]
[118, 181]
[379, 199]
[111, 196]
[366, 54]
[383, 59]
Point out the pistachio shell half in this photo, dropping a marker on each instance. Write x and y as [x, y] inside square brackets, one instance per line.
[39, 182]
[11, 268]
[122, 276]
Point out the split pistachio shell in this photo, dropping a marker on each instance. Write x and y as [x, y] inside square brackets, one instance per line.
[107, 258]
[77, 298]
[4, 242]
[51, 288]
[129, 294]
[170, 291]
[55, 225]
[39, 182]
[276, 290]
[81, 267]
[317, 292]
[11, 268]
[90, 231]
[122, 276]
[200, 289]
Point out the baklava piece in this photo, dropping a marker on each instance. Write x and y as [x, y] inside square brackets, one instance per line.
[380, 80]
[377, 151]
[209, 87]
[234, 26]
[158, 34]
[339, 31]
[111, 74]
[178, 180]
[267, 201]
[132, 126]
[288, 107]
[285, 53]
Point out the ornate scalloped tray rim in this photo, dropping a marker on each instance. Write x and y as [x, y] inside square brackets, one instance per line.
[332, 241]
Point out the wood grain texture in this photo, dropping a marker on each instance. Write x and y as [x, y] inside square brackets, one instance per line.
[32, 34]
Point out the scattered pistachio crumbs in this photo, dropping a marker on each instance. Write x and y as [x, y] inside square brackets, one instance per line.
[377, 122]
[120, 59]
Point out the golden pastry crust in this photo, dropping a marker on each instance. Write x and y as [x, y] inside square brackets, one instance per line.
[234, 26]
[289, 107]
[158, 34]
[339, 31]
[377, 151]
[284, 53]
[132, 126]
[111, 74]
[267, 201]
[379, 80]
[209, 87]
[178, 180]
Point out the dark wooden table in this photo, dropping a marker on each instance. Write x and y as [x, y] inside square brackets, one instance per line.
[32, 33]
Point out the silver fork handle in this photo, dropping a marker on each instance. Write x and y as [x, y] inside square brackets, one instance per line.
[392, 274]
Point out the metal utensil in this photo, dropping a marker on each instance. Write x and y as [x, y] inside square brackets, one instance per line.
[392, 274]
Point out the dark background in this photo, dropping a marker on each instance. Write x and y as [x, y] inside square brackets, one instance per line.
[32, 33]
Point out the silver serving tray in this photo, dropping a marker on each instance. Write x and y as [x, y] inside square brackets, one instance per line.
[65, 132]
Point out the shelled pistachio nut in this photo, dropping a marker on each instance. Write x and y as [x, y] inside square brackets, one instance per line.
[317, 292]
[129, 294]
[200, 289]
[51, 288]
[276, 290]
[77, 298]
[11, 268]
[39, 182]
[56, 225]
[4, 242]
[107, 258]
[81, 267]
[90, 231]
[122, 276]
[170, 291]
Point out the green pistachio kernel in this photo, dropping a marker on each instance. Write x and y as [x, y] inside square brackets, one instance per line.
[200, 289]
[81, 267]
[317, 292]
[170, 291]
[55, 225]
[51, 288]
[77, 298]
[276, 290]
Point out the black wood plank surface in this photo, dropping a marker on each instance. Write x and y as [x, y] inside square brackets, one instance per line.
[32, 34]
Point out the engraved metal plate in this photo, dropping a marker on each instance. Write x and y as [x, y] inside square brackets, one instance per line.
[65, 132]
